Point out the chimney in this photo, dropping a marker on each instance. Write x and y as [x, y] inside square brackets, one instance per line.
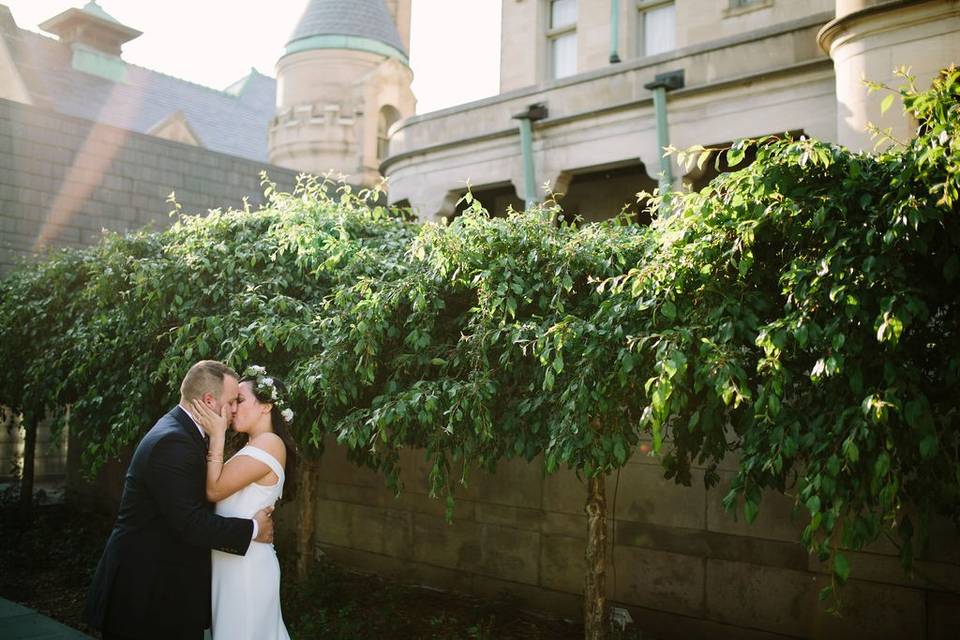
[91, 28]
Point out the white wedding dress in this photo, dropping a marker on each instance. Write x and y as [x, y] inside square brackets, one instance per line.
[246, 589]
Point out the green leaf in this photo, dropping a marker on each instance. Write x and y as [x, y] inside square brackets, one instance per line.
[734, 157]
[928, 446]
[841, 568]
[951, 268]
[669, 310]
[886, 103]
[619, 452]
[882, 465]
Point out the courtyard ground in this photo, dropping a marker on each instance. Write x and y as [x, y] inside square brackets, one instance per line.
[46, 564]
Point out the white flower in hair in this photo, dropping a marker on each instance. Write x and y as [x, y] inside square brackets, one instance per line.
[273, 393]
[287, 415]
[268, 381]
[257, 370]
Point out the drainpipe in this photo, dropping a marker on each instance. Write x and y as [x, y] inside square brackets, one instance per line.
[533, 113]
[662, 83]
[614, 31]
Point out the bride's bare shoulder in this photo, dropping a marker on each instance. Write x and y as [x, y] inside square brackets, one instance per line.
[272, 444]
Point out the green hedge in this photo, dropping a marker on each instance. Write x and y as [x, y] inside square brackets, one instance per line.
[801, 312]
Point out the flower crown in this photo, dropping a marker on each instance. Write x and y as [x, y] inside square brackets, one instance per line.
[264, 386]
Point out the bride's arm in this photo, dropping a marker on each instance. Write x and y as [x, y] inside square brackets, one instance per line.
[224, 480]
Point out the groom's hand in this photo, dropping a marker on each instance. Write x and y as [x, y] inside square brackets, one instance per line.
[265, 524]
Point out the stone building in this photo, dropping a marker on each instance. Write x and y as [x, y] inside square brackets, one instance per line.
[746, 68]
[342, 82]
[88, 140]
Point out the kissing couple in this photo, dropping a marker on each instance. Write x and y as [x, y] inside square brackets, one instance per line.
[174, 564]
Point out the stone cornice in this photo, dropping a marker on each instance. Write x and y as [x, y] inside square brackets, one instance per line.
[630, 65]
[840, 24]
[803, 67]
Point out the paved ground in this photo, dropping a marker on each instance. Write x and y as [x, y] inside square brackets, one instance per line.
[19, 623]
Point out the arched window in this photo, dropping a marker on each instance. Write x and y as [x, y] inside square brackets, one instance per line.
[388, 116]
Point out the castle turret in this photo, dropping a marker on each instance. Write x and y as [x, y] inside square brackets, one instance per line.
[867, 40]
[342, 82]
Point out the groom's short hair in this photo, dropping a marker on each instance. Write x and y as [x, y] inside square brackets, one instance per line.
[205, 377]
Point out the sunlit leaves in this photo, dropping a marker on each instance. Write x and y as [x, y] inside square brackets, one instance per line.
[802, 311]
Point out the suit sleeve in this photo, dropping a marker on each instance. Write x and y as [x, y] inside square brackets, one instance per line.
[174, 482]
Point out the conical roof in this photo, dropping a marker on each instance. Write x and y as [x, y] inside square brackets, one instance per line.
[360, 24]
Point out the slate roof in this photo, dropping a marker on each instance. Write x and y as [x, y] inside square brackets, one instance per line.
[234, 122]
[363, 18]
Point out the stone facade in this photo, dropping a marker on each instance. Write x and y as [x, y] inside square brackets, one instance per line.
[680, 564]
[338, 96]
[64, 179]
[49, 461]
[750, 69]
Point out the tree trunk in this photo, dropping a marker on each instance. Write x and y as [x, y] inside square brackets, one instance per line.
[595, 585]
[305, 516]
[27, 475]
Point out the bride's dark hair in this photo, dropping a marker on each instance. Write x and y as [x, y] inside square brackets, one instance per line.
[281, 428]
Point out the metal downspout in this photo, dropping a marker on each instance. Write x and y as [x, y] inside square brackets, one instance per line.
[614, 31]
[662, 83]
[533, 113]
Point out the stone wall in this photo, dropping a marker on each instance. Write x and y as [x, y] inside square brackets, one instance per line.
[50, 457]
[681, 565]
[63, 179]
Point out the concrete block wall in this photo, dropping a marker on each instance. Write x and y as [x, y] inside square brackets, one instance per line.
[681, 564]
[49, 460]
[63, 179]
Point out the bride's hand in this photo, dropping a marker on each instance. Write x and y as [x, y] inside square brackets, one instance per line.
[210, 421]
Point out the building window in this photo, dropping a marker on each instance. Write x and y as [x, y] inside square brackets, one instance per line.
[388, 116]
[656, 27]
[740, 7]
[562, 38]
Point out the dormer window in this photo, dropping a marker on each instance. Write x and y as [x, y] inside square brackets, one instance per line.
[562, 38]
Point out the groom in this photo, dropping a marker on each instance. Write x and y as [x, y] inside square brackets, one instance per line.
[153, 580]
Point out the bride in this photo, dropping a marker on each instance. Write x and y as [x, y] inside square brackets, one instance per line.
[246, 589]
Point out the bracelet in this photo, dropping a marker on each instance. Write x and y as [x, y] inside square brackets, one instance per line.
[214, 459]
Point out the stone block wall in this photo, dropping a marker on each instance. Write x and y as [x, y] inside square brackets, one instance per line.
[63, 179]
[680, 564]
[50, 457]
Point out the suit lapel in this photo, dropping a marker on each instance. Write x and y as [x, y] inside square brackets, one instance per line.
[187, 424]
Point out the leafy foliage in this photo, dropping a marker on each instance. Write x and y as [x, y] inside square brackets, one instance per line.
[801, 312]
[817, 329]
[109, 331]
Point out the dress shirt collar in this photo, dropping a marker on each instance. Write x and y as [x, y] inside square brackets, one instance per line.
[203, 434]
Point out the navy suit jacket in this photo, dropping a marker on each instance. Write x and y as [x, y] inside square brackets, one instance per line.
[153, 579]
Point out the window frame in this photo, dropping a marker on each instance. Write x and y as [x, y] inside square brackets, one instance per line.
[733, 10]
[552, 34]
[641, 8]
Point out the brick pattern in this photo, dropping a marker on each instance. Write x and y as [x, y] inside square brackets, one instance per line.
[681, 564]
[63, 179]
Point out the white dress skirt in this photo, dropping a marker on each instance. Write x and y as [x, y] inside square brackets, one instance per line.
[246, 589]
